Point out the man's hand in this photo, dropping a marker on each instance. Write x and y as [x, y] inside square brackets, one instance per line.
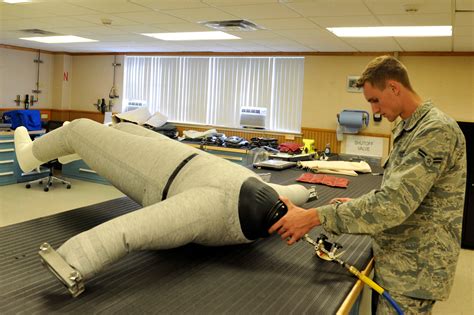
[335, 200]
[296, 223]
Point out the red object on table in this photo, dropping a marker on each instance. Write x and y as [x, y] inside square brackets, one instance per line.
[327, 180]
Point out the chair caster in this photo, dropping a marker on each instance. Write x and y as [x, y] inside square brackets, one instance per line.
[28, 186]
[40, 182]
[46, 189]
[68, 186]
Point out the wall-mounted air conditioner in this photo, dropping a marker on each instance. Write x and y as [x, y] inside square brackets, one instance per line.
[133, 104]
[253, 117]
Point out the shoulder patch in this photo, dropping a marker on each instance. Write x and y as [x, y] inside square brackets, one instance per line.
[428, 159]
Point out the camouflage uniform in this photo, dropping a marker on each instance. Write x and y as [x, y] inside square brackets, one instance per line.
[416, 217]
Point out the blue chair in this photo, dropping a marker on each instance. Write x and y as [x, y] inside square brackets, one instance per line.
[29, 118]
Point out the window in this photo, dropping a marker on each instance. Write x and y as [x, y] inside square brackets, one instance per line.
[212, 90]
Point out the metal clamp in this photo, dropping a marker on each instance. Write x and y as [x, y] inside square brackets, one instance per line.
[69, 277]
[324, 249]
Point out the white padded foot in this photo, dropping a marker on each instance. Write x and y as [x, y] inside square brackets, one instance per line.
[24, 150]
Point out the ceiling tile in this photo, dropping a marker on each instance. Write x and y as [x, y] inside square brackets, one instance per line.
[464, 18]
[373, 44]
[296, 34]
[467, 5]
[425, 44]
[138, 29]
[149, 17]
[254, 35]
[11, 34]
[95, 30]
[415, 19]
[284, 45]
[285, 24]
[463, 31]
[21, 24]
[97, 19]
[238, 2]
[246, 46]
[328, 44]
[170, 4]
[400, 7]
[201, 14]
[183, 27]
[62, 22]
[330, 8]
[345, 21]
[463, 43]
[109, 6]
[261, 11]
[24, 11]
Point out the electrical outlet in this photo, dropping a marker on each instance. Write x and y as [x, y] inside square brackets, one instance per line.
[289, 137]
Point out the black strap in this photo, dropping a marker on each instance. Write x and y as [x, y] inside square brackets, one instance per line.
[175, 173]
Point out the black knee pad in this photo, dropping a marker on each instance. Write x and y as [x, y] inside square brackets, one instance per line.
[259, 208]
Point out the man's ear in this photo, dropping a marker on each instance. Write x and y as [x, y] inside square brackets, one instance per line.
[394, 86]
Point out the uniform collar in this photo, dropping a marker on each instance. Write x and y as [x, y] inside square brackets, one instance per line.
[420, 112]
[410, 123]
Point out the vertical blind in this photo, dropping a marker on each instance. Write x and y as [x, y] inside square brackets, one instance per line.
[212, 90]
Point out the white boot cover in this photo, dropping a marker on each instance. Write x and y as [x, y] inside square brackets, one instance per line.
[24, 150]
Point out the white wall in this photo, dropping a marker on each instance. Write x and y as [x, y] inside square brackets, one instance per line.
[18, 74]
[447, 80]
[93, 79]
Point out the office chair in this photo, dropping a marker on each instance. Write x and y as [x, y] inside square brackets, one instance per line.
[50, 178]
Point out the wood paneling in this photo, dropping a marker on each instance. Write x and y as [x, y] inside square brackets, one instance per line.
[57, 114]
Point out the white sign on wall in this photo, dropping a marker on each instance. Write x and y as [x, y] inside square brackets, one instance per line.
[364, 145]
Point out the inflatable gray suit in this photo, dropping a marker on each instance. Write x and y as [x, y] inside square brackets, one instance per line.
[187, 195]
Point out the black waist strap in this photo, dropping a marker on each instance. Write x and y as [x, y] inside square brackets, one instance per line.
[175, 173]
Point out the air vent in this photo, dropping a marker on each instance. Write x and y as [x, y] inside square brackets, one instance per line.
[36, 31]
[232, 25]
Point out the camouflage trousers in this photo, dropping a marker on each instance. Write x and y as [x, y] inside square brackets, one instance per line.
[409, 305]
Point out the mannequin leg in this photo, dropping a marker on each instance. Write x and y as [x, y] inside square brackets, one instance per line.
[199, 216]
[137, 166]
[298, 194]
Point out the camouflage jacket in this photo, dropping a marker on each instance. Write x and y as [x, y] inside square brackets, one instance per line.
[415, 218]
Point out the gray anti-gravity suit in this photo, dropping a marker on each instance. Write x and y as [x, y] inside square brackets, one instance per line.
[188, 195]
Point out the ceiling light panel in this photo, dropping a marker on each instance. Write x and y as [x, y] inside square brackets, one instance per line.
[16, 1]
[177, 36]
[59, 39]
[392, 31]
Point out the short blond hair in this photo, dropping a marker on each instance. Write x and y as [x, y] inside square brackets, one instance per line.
[384, 68]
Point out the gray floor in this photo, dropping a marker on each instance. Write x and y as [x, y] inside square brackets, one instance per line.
[18, 204]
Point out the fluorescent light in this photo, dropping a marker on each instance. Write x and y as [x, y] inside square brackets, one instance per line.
[192, 35]
[392, 31]
[16, 1]
[59, 39]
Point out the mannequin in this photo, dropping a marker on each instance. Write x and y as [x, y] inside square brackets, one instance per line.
[188, 195]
